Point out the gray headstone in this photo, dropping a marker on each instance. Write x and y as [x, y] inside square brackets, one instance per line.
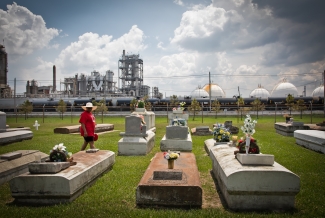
[3, 120]
[228, 123]
[176, 132]
[132, 125]
[202, 129]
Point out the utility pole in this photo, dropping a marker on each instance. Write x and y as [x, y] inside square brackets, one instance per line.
[210, 91]
[324, 91]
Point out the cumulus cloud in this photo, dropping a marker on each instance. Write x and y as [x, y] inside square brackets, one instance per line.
[94, 52]
[23, 31]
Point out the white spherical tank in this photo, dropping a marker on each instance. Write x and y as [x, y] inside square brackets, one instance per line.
[283, 89]
[259, 93]
[199, 93]
[318, 92]
[216, 91]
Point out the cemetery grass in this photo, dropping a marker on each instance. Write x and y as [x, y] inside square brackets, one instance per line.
[113, 194]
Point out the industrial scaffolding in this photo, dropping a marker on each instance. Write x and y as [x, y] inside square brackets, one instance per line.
[131, 76]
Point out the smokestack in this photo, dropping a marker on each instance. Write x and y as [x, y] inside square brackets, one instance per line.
[54, 78]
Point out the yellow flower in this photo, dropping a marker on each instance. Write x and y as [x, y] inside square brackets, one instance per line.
[173, 156]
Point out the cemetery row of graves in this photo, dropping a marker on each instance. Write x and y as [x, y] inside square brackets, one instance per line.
[176, 166]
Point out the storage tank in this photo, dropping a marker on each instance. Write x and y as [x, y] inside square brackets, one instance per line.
[283, 89]
[259, 92]
[318, 92]
[199, 93]
[216, 91]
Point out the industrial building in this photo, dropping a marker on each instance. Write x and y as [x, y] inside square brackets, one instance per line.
[5, 90]
[130, 81]
[131, 75]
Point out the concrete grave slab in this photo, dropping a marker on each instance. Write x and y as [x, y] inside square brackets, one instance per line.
[75, 129]
[176, 144]
[136, 139]
[3, 120]
[136, 145]
[178, 187]
[255, 159]
[14, 167]
[15, 136]
[201, 131]
[11, 155]
[247, 187]
[64, 186]
[47, 167]
[312, 139]
[287, 129]
[17, 129]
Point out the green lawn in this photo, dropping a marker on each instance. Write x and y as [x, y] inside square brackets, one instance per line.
[113, 194]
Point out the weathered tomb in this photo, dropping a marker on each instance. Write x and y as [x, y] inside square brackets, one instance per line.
[311, 139]
[149, 117]
[287, 129]
[176, 138]
[253, 187]
[75, 129]
[15, 163]
[136, 139]
[64, 186]
[3, 120]
[178, 187]
[15, 136]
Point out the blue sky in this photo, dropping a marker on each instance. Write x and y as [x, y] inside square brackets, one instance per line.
[241, 42]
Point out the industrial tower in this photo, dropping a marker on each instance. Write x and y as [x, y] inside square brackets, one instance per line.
[5, 90]
[131, 76]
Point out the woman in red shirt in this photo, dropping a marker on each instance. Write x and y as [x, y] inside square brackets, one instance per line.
[87, 121]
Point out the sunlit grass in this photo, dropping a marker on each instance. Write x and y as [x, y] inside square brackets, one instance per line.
[113, 194]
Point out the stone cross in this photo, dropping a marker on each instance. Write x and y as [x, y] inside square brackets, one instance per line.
[36, 125]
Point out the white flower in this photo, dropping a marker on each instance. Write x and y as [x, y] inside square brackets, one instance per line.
[249, 125]
[59, 147]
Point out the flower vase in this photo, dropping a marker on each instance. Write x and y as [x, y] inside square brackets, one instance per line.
[170, 163]
[248, 142]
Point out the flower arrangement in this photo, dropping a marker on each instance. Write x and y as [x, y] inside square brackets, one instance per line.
[221, 134]
[180, 107]
[178, 122]
[249, 126]
[171, 155]
[140, 104]
[253, 148]
[59, 153]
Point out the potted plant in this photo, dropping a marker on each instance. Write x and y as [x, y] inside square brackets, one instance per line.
[140, 106]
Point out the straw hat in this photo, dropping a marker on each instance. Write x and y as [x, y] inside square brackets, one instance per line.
[89, 104]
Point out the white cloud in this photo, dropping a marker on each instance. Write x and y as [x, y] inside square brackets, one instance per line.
[23, 31]
[179, 2]
[101, 53]
[200, 23]
[160, 46]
